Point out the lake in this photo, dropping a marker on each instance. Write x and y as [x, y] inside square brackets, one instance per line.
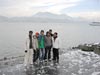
[13, 35]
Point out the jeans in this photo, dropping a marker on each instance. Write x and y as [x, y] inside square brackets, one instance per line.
[42, 54]
[48, 53]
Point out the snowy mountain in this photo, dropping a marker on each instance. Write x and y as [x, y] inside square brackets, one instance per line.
[51, 16]
[3, 18]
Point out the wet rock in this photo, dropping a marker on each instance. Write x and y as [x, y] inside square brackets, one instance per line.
[5, 58]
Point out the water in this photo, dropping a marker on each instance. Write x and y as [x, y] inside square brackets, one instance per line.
[72, 62]
[13, 35]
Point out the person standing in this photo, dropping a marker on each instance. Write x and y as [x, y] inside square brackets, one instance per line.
[48, 46]
[29, 50]
[42, 45]
[50, 31]
[56, 47]
[36, 46]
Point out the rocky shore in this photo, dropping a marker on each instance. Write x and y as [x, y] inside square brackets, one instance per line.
[94, 47]
[72, 62]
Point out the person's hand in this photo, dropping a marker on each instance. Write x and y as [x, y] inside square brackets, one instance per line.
[25, 51]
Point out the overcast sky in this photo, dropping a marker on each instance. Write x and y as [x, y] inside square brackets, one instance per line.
[74, 8]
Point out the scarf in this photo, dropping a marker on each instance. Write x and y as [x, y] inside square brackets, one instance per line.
[30, 44]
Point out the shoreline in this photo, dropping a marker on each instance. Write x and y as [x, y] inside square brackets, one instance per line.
[94, 47]
[75, 62]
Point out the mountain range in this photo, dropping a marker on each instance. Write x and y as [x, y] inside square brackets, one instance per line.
[42, 17]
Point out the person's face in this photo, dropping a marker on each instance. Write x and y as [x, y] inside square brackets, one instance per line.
[42, 33]
[48, 34]
[30, 33]
[50, 31]
[37, 35]
[54, 35]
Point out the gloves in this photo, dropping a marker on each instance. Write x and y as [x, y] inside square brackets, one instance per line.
[25, 51]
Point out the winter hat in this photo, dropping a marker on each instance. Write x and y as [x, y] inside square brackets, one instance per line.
[36, 33]
[56, 33]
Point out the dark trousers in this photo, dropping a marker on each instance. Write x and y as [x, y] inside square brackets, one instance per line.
[36, 55]
[48, 53]
[56, 54]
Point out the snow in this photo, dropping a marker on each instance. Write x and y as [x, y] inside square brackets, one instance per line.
[72, 62]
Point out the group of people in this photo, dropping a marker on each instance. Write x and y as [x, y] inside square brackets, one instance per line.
[39, 46]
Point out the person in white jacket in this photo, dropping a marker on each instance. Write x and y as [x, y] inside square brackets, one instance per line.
[56, 46]
[29, 50]
[36, 46]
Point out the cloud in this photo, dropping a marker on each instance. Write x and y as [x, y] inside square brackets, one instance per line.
[58, 8]
[94, 15]
[55, 6]
[30, 7]
[19, 8]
